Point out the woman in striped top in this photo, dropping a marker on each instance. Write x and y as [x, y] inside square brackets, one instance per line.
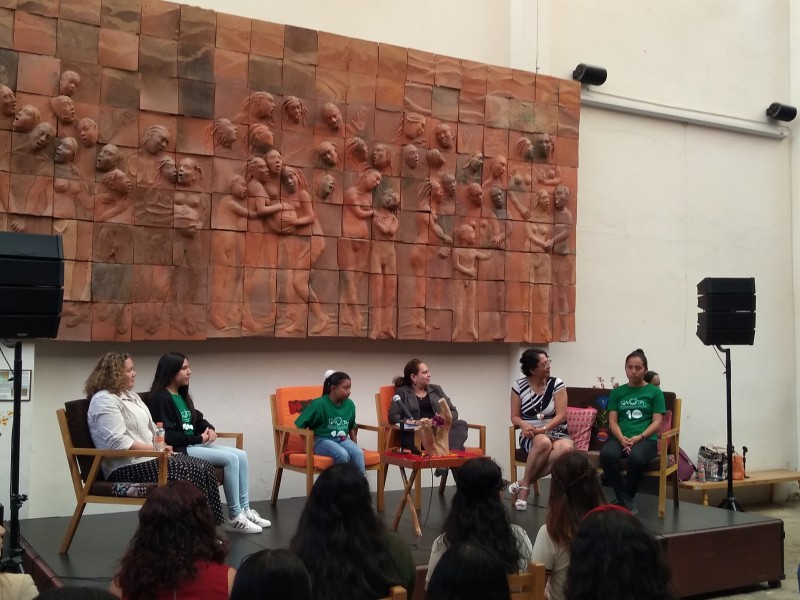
[539, 409]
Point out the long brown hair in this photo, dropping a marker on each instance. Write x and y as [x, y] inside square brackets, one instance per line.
[411, 368]
[108, 374]
[574, 491]
[176, 529]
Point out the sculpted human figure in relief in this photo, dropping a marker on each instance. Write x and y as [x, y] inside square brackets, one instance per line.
[115, 204]
[26, 118]
[68, 83]
[143, 165]
[444, 136]
[306, 223]
[190, 202]
[88, 132]
[327, 155]
[562, 269]
[465, 267]
[294, 110]
[71, 196]
[383, 265]
[8, 102]
[221, 133]
[356, 215]
[108, 158]
[332, 117]
[259, 106]
[231, 212]
[63, 108]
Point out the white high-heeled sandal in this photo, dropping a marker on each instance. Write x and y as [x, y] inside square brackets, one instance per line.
[514, 488]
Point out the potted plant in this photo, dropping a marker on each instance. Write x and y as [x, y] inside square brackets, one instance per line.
[601, 420]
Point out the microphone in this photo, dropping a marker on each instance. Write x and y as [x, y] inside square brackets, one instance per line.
[403, 408]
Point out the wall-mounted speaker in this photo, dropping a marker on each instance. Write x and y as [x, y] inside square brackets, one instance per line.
[31, 285]
[729, 311]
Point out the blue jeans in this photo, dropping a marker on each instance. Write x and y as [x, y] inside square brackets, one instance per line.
[235, 478]
[341, 452]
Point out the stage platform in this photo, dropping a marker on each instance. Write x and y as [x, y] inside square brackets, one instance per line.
[709, 550]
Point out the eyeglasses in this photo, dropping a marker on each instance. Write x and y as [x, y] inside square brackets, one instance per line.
[546, 363]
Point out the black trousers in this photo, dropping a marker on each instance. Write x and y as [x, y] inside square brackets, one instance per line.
[641, 454]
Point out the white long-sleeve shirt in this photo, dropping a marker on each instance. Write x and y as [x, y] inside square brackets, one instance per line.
[116, 421]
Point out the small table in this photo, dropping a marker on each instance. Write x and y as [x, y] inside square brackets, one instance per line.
[753, 478]
[416, 464]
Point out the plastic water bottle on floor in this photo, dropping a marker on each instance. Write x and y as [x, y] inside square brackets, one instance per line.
[159, 443]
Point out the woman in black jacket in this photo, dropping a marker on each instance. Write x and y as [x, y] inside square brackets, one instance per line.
[419, 399]
[187, 431]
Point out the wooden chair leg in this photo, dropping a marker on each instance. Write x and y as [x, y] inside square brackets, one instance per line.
[72, 527]
[662, 496]
[276, 485]
[381, 484]
[309, 482]
[675, 498]
[418, 493]
[443, 482]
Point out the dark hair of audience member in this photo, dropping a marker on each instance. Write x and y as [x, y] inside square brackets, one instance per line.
[76, 593]
[477, 515]
[411, 368]
[649, 376]
[637, 353]
[273, 574]
[169, 365]
[176, 529]
[614, 556]
[469, 572]
[530, 360]
[342, 542]
[574, 491]
[333, 380]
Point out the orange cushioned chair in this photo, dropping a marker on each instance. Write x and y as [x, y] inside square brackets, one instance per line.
[294, 448]
[391, 436]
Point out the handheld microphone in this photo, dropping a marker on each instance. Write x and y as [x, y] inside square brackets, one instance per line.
[399, 400]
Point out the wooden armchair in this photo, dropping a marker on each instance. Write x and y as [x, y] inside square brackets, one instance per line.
[84, 461]
[294, 448]
[391, 436]
[530, 584]
[664, 466]
[397, 592]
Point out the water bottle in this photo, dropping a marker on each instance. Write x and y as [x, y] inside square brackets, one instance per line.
[701, 473]
[159, 444]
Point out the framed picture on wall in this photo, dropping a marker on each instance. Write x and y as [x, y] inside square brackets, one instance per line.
[7, 385]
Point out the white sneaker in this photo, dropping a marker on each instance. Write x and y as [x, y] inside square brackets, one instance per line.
[253, 516]
[241, 524]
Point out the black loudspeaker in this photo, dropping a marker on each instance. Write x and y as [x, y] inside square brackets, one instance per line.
[31, 285]
[729, 305]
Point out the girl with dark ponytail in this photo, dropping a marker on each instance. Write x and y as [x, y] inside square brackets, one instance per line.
[332, 418]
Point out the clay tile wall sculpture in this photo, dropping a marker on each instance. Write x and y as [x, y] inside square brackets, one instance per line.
[216, 176]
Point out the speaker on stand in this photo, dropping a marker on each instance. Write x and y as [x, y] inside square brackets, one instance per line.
[728, 317]
[31, 297]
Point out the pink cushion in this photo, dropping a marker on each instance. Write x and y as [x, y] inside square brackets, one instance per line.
[580, 422]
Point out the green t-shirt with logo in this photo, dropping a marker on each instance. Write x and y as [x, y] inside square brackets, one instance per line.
[326, 419]
[635, 407]
[186, 414]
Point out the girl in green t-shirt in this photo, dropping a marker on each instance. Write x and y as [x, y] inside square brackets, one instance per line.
[332, 418]
[635, 411]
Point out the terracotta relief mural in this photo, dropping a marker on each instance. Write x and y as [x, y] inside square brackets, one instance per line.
[216, 176]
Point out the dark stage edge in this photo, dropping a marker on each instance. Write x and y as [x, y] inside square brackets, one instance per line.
[698, 540]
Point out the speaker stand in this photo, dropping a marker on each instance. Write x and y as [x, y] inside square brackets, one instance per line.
[729, 503]
[12, 563]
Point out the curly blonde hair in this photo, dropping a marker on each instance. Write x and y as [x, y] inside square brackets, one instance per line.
[108, 374]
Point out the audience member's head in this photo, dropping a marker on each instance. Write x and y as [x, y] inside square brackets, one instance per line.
[574, 490]
[653, 378]
[614, 556]
[341, 541]
[76, 593]
[469, 572]
[477, 515]
[273, 574]
[176, 529]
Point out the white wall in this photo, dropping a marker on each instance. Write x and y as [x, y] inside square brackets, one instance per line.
[662, 205]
